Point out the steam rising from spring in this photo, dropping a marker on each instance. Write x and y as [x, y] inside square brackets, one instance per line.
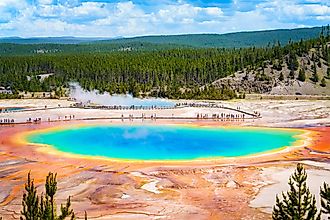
[106, 99]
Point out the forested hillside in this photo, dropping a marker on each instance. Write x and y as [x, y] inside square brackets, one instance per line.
[231, 40]
[7, 49]
[174, 73]
[20, 46]
[297, 72]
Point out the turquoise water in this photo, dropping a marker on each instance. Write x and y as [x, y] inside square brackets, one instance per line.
[11, 109]
[164, 142]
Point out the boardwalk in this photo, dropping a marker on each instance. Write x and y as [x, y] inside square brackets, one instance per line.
[124, 113]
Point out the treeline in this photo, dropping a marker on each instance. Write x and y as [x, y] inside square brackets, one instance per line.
[231, 40]
[176, 73]
[13, 49]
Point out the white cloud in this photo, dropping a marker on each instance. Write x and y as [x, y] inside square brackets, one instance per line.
[11, 3]
[314, 1]
[318, 9]
[88, 9]
[8, 8]
[214, 11]
[95, 18]
[187, 13]
[323, 18]
[85, 10]
[103, 21]
[291, 10]
[45, 2]
[124, 7]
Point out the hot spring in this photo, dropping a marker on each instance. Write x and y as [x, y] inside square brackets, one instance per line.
[11, 109]
[164, 142]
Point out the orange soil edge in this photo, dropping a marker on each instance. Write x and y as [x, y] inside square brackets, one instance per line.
[321, 139]
[315, 139]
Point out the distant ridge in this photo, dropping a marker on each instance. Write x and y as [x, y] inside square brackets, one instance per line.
[229, 40]
[24, 46]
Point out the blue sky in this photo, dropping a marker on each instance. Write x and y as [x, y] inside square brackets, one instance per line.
[113, 18]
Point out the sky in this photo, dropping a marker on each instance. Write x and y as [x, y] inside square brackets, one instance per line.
[127, 18]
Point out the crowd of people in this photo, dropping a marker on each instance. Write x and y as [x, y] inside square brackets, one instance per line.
[221, 116]
[255, 114]
[143, 116]
[240, 115]
[7, 121]
[36, 120]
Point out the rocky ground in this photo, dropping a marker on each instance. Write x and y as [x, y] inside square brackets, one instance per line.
[233, 188]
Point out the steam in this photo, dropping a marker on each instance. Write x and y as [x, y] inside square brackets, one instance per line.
[140, 133]
[106, 99]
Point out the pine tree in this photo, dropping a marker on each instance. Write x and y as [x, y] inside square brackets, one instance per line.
[323, 82]
[315, 77]
[51, 188]
[66, 211]
[30, 201]
[302, 75]
[291, 74]
[281, 78]
[298, 203]
[46, 208]
[325, 199]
